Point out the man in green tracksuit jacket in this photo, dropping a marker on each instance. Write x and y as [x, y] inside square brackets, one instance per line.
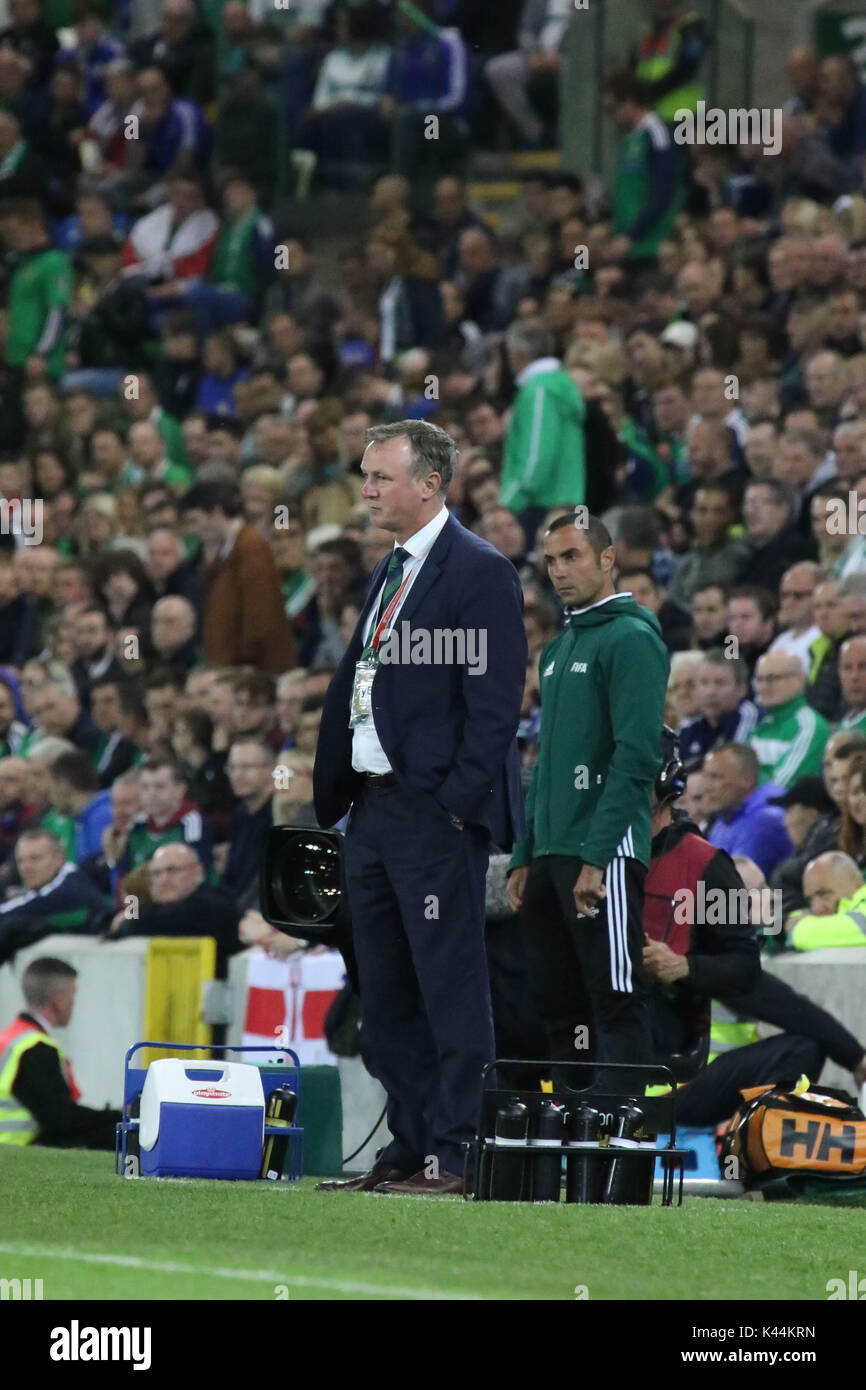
[544, 463]
[648, 182]
[790, 738]
[40, 290]
[578, 876]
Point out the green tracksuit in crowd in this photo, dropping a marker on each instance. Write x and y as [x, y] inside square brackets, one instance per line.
[40, 289]
[647, 193]
[544, 463]
[789, 742]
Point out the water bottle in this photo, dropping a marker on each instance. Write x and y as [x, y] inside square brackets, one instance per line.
[281, 1113]
[546, 1176]
[619, 1187]
[584, 1169]
[509, 1160]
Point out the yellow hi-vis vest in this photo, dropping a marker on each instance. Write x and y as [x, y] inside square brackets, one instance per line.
[729, 1030]
[17, 1125]
[844, 927]
[657, 56]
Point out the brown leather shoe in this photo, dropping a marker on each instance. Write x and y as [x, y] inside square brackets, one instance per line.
[379, 1173]
[419, 1185]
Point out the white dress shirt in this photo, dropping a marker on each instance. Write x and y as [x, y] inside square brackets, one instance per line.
[367, 752]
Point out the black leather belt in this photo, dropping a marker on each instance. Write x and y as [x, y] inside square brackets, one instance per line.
[379, 779]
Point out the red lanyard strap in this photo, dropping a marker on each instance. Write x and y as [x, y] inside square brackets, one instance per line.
[388, 614]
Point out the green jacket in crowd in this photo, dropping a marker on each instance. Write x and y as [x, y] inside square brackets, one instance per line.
[845, 927]
[544, 463]
[789, 742]
[40, 290]
[603, 682]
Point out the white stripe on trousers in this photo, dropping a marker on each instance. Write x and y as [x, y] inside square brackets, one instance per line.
[617, 927]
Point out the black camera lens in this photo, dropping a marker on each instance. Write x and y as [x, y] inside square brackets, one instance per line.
[305, 879]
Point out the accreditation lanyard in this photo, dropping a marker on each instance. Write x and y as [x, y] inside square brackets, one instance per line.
[365, 670]
[388, 614]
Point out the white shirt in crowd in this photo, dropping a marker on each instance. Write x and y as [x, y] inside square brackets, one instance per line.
[798, 642]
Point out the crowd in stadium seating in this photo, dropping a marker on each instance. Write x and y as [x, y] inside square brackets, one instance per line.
[187, 382]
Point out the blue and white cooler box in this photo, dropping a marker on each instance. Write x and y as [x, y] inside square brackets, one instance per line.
[201, 1120]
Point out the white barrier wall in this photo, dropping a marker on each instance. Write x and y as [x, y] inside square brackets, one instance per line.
[109, 1008]
[836, 980]
[109, 1016]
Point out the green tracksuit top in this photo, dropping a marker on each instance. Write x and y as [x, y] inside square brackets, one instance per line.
[40, 289]
[544, 463]
[844, 927]
[603, 682]
[789, 742]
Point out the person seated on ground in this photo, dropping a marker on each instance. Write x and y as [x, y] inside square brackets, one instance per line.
[38, 1094]
[182, 903]
[701, 949]
[691, 953]
[834, 889]
[57, 896]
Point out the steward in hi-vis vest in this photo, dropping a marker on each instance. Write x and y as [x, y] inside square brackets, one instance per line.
[39, 1099]
[668, 57]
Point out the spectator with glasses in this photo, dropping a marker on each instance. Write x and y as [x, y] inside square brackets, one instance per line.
[183, 903]
[790, 737]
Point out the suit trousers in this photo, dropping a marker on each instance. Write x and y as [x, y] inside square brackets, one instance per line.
[416, 887]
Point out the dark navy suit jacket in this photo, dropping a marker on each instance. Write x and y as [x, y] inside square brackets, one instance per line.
[445, 731]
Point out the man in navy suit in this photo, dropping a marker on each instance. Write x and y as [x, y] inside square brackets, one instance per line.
[418, 737]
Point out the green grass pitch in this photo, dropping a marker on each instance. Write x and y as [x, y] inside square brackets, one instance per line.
[89, 1235]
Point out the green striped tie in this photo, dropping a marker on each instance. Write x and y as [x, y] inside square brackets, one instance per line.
[393, 580]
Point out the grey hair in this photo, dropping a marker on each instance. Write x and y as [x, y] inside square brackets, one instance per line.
[48, 748]
[854, 585]
[58, 676]
[531, 339]
[433, 451]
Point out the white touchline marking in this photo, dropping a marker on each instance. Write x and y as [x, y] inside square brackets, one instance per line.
[266, 1276]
